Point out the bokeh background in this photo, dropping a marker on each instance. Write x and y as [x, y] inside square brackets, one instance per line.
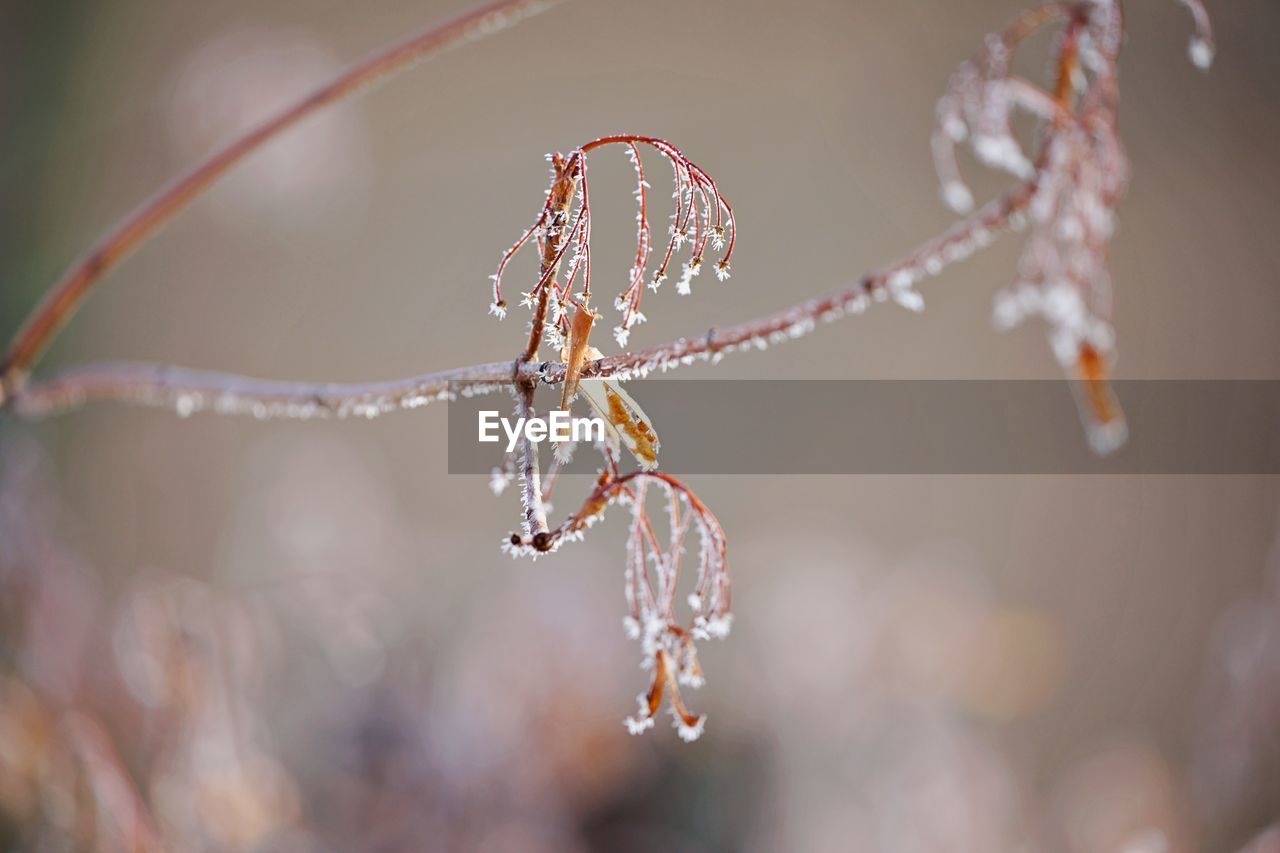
[227, 634]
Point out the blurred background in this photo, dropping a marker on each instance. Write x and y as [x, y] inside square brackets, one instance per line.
[231, 635]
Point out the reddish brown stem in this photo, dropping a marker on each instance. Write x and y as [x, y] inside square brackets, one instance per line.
[557, 241]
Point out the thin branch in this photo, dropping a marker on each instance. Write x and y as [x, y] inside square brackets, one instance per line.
[535, 511]
[66, 295]
[189, 391]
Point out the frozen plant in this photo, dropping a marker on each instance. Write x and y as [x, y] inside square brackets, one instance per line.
[564, 319]
[1070, 181]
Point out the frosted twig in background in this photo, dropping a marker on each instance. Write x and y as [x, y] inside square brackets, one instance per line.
[1076, 176]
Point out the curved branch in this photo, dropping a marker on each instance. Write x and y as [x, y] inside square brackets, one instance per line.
[66, 295]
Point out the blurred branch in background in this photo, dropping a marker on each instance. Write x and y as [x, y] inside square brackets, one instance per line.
[65, 296]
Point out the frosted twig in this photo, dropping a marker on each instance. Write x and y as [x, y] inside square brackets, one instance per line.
[188, 391]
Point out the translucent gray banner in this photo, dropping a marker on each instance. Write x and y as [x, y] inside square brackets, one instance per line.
[917, 427]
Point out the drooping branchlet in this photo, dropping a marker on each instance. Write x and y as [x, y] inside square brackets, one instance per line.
[703, 220]
[653, 574]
